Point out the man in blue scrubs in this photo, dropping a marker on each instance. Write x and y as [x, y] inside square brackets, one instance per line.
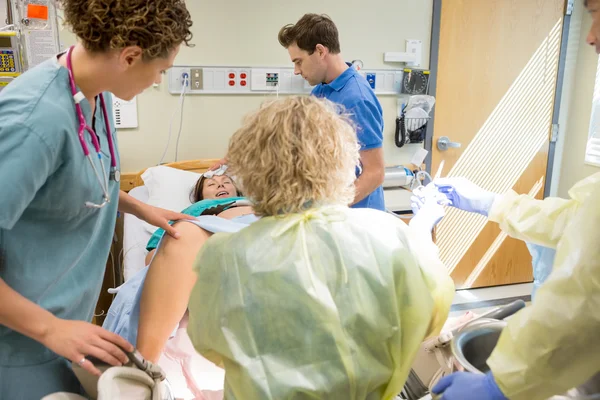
[314, 48]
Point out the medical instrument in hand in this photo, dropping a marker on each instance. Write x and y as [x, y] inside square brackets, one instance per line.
[83, 127]
[466, 195]
[420, 190]
[138, 376]
[421, 175]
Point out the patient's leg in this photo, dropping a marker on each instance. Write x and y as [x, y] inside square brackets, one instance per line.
[167, 288]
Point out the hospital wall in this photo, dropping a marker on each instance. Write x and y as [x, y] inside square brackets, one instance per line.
[244, 33]
[576, 106]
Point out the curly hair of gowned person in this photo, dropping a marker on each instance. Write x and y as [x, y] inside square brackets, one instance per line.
[295, 153]
[156, 26]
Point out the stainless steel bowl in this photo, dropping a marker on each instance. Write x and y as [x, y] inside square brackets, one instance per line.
[474, 344]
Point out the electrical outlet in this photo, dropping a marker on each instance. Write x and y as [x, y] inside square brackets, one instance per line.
[185, 79]
[196, 80]
[371, 80]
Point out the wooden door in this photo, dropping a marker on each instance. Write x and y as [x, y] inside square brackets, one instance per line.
[497, 72]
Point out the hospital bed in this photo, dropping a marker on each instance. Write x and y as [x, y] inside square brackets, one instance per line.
[135, 237]
[169, 187]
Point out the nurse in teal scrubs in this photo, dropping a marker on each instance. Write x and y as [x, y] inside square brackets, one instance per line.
[58, 207]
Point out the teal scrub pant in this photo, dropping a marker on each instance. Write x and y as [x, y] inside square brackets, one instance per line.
[32, 382]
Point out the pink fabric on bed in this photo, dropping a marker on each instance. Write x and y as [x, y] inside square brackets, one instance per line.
[190, 375]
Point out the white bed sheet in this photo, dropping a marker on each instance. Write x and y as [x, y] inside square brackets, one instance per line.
[135, 237]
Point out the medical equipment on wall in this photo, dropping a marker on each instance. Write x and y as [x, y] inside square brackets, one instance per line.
[124, 112]
[10, 58]
[35, 24]
[235, 80]
[412, 57]
[85, 128]
[357, 64]
[415, 82]
[413, 116]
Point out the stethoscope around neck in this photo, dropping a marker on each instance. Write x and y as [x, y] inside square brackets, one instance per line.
[83, 127]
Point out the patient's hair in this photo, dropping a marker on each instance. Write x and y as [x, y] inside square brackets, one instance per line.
[295, 153]
[156, 26]
[197, 195]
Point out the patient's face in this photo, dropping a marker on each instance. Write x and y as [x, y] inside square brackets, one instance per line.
[218, 187]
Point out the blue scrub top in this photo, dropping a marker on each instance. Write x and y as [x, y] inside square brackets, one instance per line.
[53, 249]
[352, 90]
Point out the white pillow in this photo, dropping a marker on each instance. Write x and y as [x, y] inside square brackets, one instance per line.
[169, 188]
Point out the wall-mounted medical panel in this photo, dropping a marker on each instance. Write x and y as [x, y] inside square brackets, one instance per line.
[261, 80]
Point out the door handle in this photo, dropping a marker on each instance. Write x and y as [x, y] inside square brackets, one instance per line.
[444, 144]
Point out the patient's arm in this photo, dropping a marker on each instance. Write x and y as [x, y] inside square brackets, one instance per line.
[227, 214]
[167, 288]
[169, 283]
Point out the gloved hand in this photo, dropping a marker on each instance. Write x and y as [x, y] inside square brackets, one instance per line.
[427, 207]
[466, 195]
[468, 386]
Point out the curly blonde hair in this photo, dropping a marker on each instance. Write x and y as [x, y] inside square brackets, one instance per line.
[156, 26]
[295, 153]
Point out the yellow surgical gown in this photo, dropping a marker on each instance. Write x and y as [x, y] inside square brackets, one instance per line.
[330, 304]
[540, 221]
[554, 344]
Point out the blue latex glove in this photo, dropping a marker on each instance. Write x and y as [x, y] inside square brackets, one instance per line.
[466, 195]
[468, 386]
[427, 207]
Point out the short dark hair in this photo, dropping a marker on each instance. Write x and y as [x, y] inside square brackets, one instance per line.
[309, 31]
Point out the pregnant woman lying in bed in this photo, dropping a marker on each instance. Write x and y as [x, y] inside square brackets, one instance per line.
[150, 308]
[214, 195]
